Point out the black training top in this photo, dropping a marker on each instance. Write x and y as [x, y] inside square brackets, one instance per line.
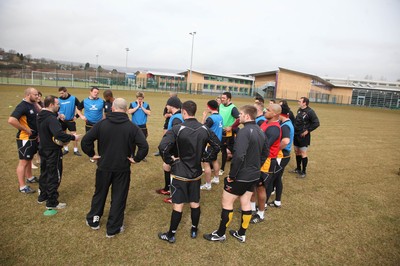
[306, 119]
[49, 129]
[116, 138]
[26, 113]
[190, 139]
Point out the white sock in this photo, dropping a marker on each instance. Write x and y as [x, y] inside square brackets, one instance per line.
[208, 184]
[31, 178]
[21, 188]
[261, 214]
[75, 149]
[65, 148]
[277, 203]
[253, 205]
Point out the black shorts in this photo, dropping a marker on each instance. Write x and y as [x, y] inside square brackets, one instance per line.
[144, 130]
[283, 162]
[302, 141]
[70, 125]
[88, 126]
[238, 188]
[228, 142]
[27, 148]
[264, 179]
[185, 191]
[207, 153]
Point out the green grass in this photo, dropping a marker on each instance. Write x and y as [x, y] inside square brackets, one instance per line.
[345, 212]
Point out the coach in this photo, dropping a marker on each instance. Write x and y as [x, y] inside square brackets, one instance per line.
[116, 136]
[50, 152]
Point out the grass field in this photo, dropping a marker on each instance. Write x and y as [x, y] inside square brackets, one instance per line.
[347, 210]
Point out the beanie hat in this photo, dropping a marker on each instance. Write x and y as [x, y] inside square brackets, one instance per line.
[174, 102]
[285, 109]
[213, 105]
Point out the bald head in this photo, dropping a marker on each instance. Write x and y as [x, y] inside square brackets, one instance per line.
[273, 112]
[31, 95]
[120, 105]
[29, 91]
[275, 108]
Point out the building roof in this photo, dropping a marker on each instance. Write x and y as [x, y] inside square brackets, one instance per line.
[364, 84]
[166, 74]
[273, 72]
[219, 74]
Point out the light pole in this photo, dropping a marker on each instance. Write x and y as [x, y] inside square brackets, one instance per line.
[126, 65]
[97, 67]
[191, 63]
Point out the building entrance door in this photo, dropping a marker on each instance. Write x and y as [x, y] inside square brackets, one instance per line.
[360, 100]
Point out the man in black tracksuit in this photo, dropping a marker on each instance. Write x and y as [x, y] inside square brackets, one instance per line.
[249, 154]
[52, 139]
[306, 121]
[116, 137]
[190, 139]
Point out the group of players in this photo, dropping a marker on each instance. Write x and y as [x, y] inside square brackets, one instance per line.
[260, 151]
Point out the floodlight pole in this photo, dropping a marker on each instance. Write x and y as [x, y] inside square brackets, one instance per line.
[126, 65]
[97, 67]
[191, 64]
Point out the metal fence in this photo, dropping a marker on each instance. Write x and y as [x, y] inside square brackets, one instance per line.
[86, 79]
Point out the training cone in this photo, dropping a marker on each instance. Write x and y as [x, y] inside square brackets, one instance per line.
[50, 212]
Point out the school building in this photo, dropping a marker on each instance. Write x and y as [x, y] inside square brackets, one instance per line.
[277, 84]
[289, 84]
[160, 80]
[217, 83]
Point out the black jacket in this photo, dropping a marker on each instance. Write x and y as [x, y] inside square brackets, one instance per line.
[306, 119]
[49, 129]
[249, 153]
[116, 136]
[190, 139]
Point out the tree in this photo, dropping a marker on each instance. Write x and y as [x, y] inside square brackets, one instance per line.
[87, 66]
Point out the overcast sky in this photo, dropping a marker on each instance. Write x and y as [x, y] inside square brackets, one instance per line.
[340, 38]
